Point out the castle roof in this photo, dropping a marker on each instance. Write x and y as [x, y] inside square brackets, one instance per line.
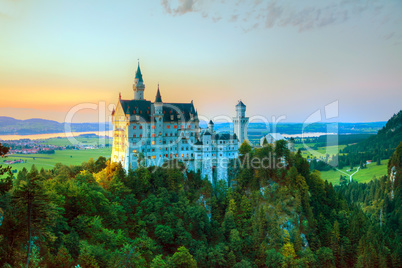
[172, 112]
[224, 136]
[198, 142]
[158, 97]
[240, 104]
[138, 74]
[219, 136]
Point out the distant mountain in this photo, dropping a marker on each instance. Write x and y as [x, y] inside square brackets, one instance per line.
[12, 126]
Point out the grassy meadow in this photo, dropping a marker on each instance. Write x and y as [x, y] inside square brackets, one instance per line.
[66, 157]
[363, 175]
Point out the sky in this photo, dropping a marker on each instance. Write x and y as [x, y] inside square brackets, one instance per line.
[70, 59]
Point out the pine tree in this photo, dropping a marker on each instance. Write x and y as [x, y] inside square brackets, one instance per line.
[36, 213]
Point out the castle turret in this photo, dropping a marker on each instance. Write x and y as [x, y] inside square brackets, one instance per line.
[158, 103]
[158, 106]
[240, 122]
[211, 126]
[138, 85]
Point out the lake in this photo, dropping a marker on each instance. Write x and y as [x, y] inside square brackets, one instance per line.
[54, 135]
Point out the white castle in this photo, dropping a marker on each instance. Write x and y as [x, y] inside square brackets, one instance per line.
[152, 133]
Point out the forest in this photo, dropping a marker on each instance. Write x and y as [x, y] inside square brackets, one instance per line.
[97, 215]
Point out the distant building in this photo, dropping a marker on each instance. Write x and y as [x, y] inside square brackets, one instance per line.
[153, 133]
[271, 138]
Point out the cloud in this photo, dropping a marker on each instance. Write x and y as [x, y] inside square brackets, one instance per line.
[302, 15]
[182, 7]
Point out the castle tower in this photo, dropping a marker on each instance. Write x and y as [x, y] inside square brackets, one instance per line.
[211, 127]
[240, 122]
[138, 85]
[158, 105]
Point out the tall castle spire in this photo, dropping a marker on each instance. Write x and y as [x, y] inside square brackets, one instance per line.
[138, 85]
[158, 97]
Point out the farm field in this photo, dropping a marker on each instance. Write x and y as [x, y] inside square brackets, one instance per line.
[66, 157]
[77, 141]
[362, 176]
[320, 152]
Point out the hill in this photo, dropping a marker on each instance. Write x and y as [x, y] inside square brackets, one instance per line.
[12, 126]
[376, 147]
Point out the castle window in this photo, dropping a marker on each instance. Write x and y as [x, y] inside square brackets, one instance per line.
[166, 155]
[134, 136]
[171, 155]
[140, 127]
[189, 126]
[168, 126]
[175, 155]
[140, 135]
[153, 135]
[134, 127]
[134, 151]
[175, 126]
[187, 155]
[182, 155]
[153, 142]
[153, 127]
[167, 134]
[147, 112]
[154, 156]
[141, 112]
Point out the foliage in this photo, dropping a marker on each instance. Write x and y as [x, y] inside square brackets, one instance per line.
[97, 215]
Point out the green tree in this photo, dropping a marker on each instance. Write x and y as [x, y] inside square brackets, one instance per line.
[274, 258]
[5, 183]
[245, 148]
[36, 212]
[183, 259]
[158, 262]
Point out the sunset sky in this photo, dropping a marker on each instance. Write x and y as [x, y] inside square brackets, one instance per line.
[286, 58]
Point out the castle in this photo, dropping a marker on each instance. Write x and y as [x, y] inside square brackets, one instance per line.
[152, 133]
